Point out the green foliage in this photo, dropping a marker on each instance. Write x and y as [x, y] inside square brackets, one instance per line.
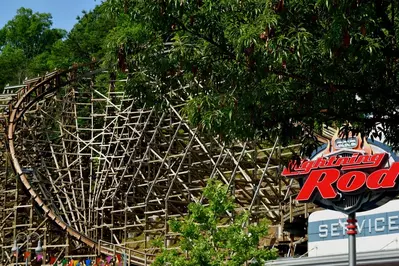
[25, 44]
[260, 68]
[204, 243]
[30, 32]
[12, 65]
[85, 41]
[38, 48]
[252, 69]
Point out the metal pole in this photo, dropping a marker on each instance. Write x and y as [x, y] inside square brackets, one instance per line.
[352, 231]
[27, 249]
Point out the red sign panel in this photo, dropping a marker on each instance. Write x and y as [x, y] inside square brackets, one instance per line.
[346, 177]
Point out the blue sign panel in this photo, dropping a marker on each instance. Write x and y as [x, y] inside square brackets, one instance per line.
[367, 225]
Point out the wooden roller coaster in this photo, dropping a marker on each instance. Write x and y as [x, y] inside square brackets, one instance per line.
[93, 172]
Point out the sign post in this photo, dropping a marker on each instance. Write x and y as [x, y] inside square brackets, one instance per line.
[352, 231]
[348, 175]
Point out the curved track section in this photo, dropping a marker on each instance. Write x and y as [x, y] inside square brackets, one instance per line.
[26, 100]
[104, 168]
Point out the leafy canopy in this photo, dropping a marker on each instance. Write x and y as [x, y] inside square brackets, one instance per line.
[260, 68]
[30, 46]
[25, 43]
[30, 32]
[12, 65]
[204, 242]
[84, 43]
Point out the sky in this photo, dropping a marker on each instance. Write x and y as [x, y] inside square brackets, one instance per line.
[64, 12]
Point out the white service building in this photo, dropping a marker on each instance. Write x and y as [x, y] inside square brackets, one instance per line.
[377, 241]
[378, 230]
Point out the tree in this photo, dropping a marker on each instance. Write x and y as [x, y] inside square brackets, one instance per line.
[41, 48]
[25, 44]
[85, 41]
[12, 66]
[203, 242]
[87, 37]
[30, 32]
[261, 68]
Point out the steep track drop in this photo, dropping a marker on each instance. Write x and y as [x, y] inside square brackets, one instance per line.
[133, 167]
[26, 98]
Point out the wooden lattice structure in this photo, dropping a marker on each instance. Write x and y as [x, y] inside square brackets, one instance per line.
[94, 172]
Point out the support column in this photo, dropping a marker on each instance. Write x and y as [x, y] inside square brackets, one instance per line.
[352, 231]
[44, 259]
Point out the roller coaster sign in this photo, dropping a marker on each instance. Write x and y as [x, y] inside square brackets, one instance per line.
[347, 175]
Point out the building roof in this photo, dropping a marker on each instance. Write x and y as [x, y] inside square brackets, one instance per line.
[380, 258]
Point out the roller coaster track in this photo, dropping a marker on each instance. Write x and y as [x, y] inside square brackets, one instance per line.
[25, 99]
[148, 167]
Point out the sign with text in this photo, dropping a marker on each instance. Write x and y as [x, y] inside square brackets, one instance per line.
[378, 229]
[348, 174]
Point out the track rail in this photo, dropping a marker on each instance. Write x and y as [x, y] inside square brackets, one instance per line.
[26, 98]
[39, 90]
